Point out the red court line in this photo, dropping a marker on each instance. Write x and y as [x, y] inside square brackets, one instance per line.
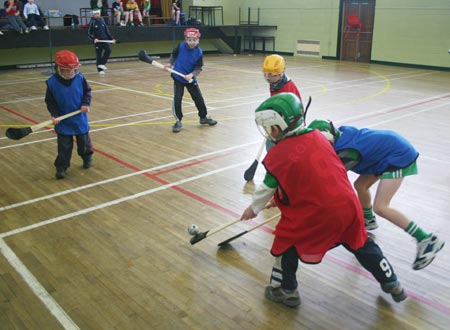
[411, 295]
[19, 115]
[407, 106]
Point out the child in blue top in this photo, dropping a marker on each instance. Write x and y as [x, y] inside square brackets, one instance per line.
[68, 91]
[187, 58]
[387, 157]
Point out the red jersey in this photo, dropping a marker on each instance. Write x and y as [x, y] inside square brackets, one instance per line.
[288, 87]
[318, 205]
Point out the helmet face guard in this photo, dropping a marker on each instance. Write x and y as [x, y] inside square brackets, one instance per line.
[192, 37]
[192, 33]
[284, 110]
[265, 119]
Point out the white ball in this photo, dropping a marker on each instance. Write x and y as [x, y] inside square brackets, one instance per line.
[193, 229]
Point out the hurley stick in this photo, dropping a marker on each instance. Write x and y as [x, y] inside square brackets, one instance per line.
[18, 133]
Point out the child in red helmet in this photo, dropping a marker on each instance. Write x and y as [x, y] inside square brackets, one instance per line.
[68, 91]
[187, 58]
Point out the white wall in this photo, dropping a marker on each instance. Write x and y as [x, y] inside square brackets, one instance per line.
[71, 7]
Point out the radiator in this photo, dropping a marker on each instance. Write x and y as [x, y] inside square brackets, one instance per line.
[308, 48]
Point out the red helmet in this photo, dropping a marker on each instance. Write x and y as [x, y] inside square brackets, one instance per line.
[192, 33]
[67, 59]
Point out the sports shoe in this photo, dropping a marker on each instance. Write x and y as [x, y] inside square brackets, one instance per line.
[371, 224]
[102, 67]
[33, 28]
[61, 173]
[427, 250]
[280, 295]
[177, 127]
[395, 289]
[27, 30]
[1, 33]
[101, 73]
[87, 163]
[45, 27]
[208, 121]
[141, 24]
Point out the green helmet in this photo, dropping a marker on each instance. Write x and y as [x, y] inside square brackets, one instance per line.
[327, 129]
[284, 110]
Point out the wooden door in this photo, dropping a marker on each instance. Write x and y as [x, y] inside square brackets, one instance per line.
[356, 39]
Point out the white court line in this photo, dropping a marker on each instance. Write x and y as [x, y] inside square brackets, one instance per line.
[37, 288]
[222, 107]
[79, 188]
[31, 201]
[117, 201]
[42, 98]
[408, 115]
[415, 103]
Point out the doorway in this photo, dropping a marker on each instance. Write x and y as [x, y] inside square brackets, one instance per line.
[356, 30]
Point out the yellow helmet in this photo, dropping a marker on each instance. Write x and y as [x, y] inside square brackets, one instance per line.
[274, 64]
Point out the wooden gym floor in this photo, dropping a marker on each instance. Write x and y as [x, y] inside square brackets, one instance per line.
[107, 248]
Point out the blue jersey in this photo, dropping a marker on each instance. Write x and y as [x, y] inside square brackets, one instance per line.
[69, 99]
[186, 60]
[380, 150]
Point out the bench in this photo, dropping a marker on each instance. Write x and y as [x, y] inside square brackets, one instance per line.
[253, 40]
[155, 20]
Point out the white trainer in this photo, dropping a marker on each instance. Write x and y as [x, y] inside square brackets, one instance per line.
[102, 67]
[101, 73]
[371, 224]
[427, 250]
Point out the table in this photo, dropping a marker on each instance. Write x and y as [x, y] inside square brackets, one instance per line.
[206, 11]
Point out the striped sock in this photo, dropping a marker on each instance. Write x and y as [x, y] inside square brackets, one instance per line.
[415, 231]
[368, 213]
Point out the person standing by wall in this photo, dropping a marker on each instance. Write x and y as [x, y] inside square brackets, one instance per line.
[98, 31]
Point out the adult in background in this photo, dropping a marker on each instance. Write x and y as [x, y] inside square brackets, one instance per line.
[97, 31]
[176, 10]
[13, 15]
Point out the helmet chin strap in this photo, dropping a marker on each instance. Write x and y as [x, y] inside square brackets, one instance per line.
[285, 132]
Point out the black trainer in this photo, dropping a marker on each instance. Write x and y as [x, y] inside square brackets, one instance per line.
[61, 173]
[208, 121]
[87, 163]
[395, 289]
[177, 127]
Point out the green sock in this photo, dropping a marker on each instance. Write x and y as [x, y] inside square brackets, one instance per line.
[415, 231]
[368, 213]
